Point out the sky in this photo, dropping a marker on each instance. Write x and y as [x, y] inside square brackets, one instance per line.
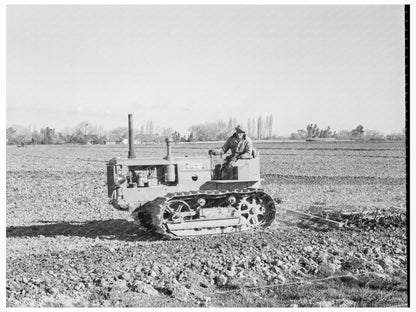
[337, 66]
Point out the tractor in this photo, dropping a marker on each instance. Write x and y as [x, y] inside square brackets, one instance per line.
[186, 196]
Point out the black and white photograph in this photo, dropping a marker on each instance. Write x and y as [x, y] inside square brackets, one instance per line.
[197, 155]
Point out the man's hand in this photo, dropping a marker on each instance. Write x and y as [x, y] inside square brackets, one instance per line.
[212, 152]
[215, 152]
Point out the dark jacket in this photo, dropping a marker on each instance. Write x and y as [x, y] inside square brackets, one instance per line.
[240, 148]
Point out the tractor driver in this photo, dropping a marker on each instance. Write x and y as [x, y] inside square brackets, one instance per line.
[240, 145]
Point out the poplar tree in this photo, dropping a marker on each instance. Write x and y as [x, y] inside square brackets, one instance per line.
[260, 126]
[254, 128]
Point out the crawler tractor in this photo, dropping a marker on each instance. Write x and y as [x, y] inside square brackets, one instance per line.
[183, 196]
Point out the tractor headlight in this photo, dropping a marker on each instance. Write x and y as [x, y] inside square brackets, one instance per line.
[120, 179]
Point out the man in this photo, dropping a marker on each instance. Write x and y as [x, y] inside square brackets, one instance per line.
[240, 145]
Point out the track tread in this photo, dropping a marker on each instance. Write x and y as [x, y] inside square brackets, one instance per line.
[150, 215]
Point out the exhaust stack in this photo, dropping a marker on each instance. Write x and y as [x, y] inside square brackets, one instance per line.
[168, 156]
[131, 140]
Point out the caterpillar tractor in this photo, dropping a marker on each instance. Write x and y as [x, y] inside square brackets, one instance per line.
[184, 196]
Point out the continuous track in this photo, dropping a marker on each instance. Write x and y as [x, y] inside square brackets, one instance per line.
[206, 212]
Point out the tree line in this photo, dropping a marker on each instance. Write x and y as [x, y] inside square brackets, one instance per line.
[257, 128]
[88, 133]
[84, 133]
[312, 131]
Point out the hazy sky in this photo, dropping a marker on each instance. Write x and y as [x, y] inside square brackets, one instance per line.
[182, 65]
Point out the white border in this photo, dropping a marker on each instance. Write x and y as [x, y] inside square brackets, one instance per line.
[194, 2]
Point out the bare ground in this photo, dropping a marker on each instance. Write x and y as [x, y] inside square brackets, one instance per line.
[66, 247]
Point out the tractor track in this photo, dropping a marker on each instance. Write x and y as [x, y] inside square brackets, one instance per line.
[151, 214]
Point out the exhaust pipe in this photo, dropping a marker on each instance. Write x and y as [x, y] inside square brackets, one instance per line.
[170, 174]
[131, 140]
[168, 156]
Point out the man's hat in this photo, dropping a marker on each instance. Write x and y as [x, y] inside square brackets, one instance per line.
[240, 129]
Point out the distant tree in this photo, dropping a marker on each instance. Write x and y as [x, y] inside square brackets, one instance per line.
[11, 135]
[17, 134]
[266, 127]
[151, 130]
[100, 131]
[84, 132]
[36, 137]
[83, 127]
[176, 136]
[396, 136]
[78, 137]
[312, 131]
[325, 133]
[344, 135]
[358, 131]
[315, 131]
[117, 134]
[296, 136]
[260, 126]
[253, 128]
[230, 125]
[200, 133]
[209, 131]
[48, 136]
[309, 130]
[270, 126]
[373, 135]
[302, 134]
[156, 130]
[60, 138]
[249, 130]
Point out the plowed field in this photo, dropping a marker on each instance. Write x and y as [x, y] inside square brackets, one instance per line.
[66, 247]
